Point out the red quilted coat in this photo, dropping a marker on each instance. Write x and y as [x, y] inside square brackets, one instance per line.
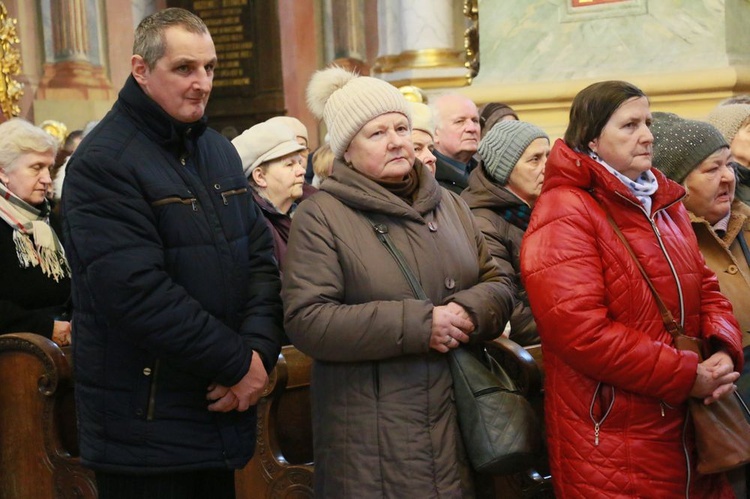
[616, 388]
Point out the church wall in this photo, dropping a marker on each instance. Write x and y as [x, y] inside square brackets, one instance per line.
[686, 55]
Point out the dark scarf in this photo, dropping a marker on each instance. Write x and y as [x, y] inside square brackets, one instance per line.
[517, 215]
[404, 188]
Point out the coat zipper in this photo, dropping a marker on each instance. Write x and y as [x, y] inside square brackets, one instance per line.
[233, 192]
[680, 296]
[598, 424]
[152, 392]
[176, 199]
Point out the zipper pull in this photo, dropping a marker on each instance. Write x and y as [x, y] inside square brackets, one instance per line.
[194, 203]
[596, 434]
[224, 198]
[661, 406]
[656, 229]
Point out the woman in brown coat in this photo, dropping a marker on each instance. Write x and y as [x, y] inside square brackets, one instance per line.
[384, 421]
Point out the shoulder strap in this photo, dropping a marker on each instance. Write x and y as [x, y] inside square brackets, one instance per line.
[381, 230]
[670, 323]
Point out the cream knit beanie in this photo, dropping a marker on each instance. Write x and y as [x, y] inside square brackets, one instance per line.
[729, 118]
[504, 144]
[347, 102]
[421, 115]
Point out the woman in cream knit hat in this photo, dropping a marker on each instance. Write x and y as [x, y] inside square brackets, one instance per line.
[384, 420]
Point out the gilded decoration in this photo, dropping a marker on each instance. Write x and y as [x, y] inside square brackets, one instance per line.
[10, 65]
[471, 38]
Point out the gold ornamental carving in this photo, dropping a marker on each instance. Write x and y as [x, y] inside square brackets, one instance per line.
[10, 65]
[471, 38]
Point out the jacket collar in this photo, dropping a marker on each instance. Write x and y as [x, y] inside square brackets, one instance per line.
[154, 121]
[738, 221]
[360, 193]
[566, 167]
[484, 193]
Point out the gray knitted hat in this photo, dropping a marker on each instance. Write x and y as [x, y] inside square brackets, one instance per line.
[681, 145]
[502, 147]
[729, 118]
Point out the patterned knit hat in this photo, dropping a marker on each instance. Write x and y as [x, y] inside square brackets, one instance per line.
[347, 102]
[681, 145]
[503, 146]
[729, 118]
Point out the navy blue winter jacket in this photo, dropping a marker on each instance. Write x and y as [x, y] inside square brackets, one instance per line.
[174, 286]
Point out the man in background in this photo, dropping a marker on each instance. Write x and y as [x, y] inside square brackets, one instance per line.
[456, 140]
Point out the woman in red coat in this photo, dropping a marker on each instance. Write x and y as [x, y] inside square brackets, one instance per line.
[616, 388]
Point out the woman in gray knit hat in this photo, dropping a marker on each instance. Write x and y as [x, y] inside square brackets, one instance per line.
[501, 194]
[696, 155]
[383, 415]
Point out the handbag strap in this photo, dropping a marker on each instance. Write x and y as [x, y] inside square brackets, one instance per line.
[670, 323]
[381, 230]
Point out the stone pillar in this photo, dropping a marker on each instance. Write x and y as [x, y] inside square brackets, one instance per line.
[344, 28]
[71, 75]
[69, 30]
[417, 44]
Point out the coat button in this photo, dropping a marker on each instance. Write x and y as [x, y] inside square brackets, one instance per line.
[147, 371]
[732, 269]
[217, 186]
[432, 226]
[450, 283]
[139, 412]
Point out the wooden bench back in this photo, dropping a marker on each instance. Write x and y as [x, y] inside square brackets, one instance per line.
[37, 423]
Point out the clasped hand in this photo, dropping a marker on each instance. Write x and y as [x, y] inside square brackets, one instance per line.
[451, 326]
[244, 394]
[715, 378]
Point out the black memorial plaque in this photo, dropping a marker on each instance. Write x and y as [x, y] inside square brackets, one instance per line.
[248, 84]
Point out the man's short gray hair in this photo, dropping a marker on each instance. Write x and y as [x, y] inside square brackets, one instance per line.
[149, 35]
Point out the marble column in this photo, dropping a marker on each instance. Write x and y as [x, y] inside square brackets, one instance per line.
[69, 30]
[344, 40]
[71, 74]
[418, 44]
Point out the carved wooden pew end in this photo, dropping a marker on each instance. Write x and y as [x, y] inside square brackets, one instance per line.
[38, 450]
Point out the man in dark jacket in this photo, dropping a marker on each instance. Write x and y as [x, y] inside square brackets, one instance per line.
[177, 314]
[456, 140]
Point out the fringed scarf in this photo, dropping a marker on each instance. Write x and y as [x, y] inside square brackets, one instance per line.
[36, 242]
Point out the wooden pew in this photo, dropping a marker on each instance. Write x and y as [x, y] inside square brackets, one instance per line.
[38, 449]
[283, 461]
